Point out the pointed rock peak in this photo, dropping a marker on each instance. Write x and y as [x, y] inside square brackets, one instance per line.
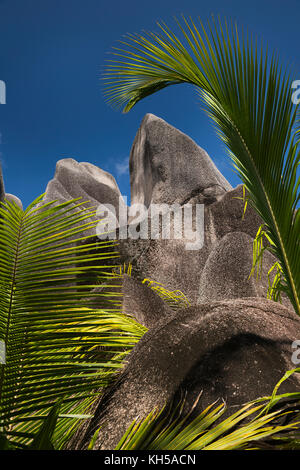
[84, 180]
[167, 166]
[14, 199]
[79, 169]
[152, 117]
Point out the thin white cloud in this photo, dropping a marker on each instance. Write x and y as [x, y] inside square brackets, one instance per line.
[122, 167]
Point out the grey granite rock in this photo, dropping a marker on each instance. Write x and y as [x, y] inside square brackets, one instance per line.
[167, 166]
[159, 145]
[227, 215]
[232, 343]
[134, 299]
[82, 180]
[91, 184]
[234, 350]
[8, 196]
[142, 303]
[226, 271]
[180, 268]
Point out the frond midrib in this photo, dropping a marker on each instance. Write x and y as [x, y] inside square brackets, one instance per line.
[10, 310]
[278, 232]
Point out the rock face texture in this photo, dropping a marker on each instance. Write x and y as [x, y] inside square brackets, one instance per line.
[15, 199]
[233, 350]
[231, 342]
[180, 268]
[166, 166]
[73, 180]
[143, 303]
[83, 180]
[137, 300]
[89, 184]
[226, 271]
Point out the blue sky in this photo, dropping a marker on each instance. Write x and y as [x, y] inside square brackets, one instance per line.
[51, 56]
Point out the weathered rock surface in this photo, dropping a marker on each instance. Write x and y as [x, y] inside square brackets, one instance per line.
[73, 180]
[227, 215]
[167, 166]
[142, 303]
[234, 350]
[226, 271]
[191, 178]
[179, 268]
[15, 199]
[83, 180]
[232, 343]
[136, 299]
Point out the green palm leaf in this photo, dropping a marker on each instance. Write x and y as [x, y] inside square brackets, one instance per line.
[253, 426]
[56, 346]
[248, 97]
[167, 430]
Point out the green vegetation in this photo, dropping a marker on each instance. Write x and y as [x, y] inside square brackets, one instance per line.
[57, 348]
[249, 98]
[60, 352]
[167, 430]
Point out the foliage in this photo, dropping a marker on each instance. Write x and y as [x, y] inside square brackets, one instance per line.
[52, 375]
[261, 243]
[253, 426]
[57, 348]
[249, 99]
[175, 299]
[163, 431]
[60, 352]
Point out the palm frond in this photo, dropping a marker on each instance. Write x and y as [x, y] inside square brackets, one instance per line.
[56, 346]
[175, 299]
[164, 430]
[248, 96]
[253, 426]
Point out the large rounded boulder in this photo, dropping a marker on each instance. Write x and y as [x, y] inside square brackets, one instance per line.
[233, 350]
